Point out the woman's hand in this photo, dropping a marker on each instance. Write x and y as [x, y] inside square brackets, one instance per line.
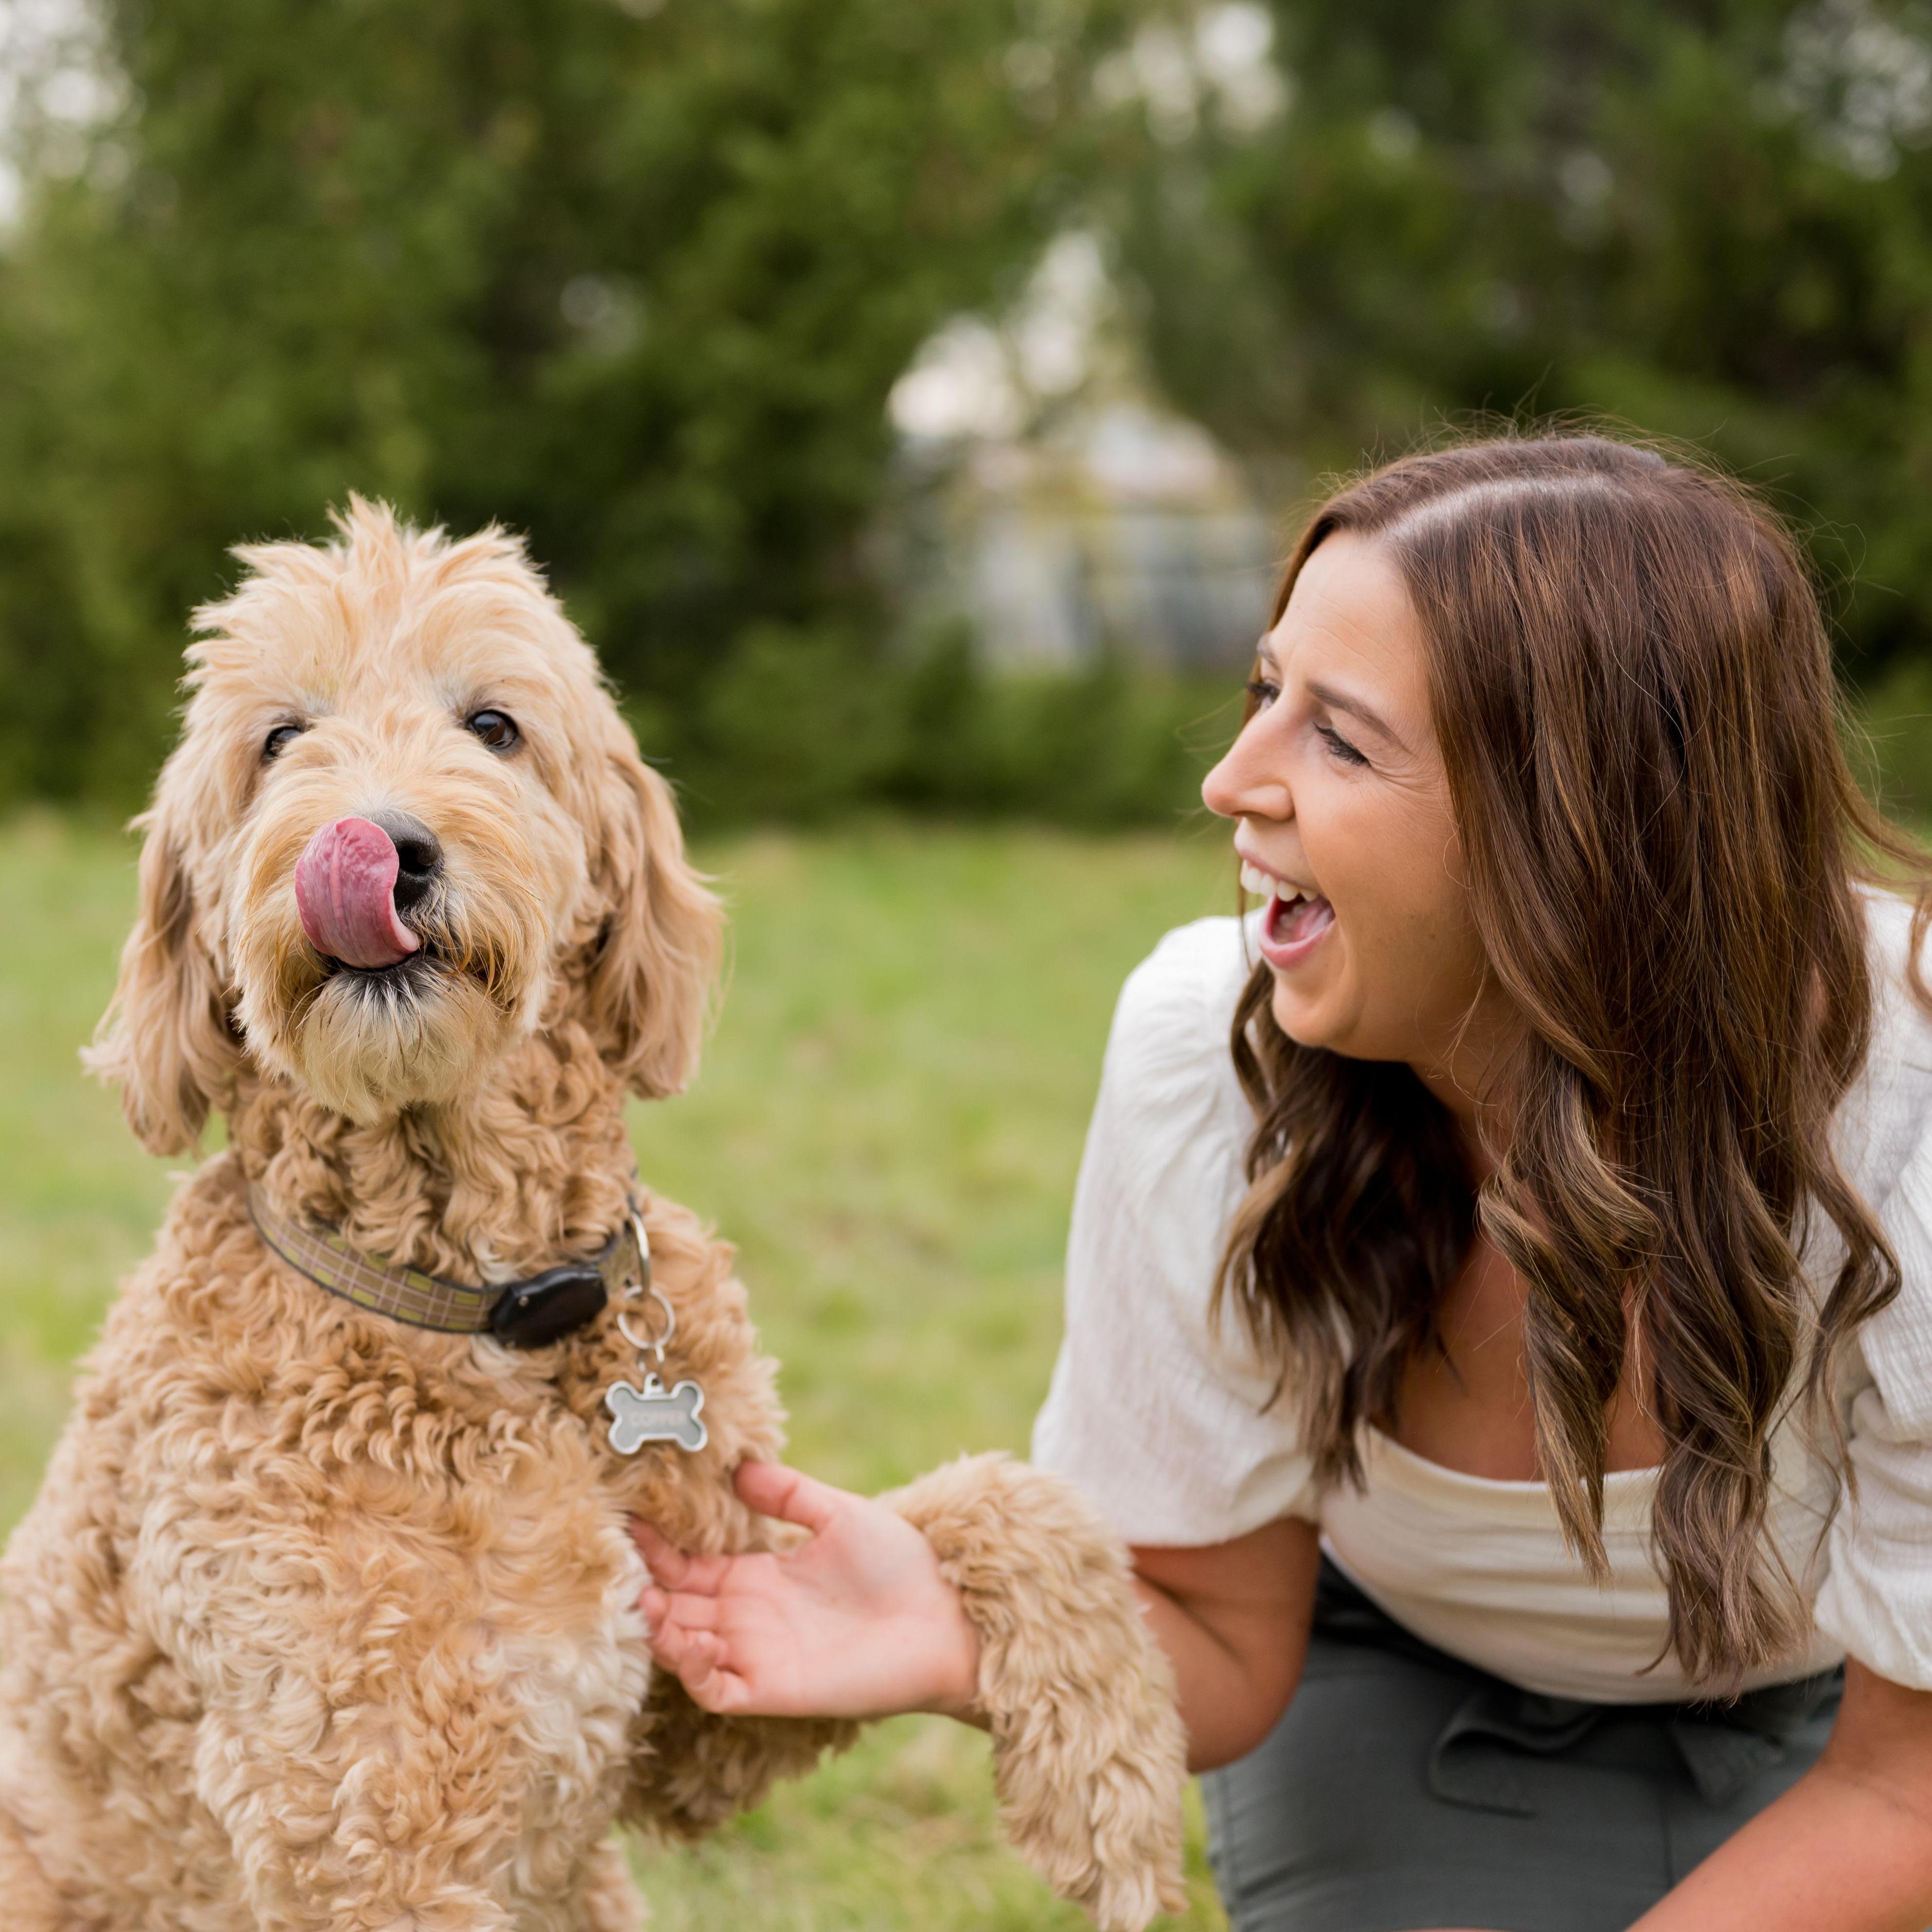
[858, 1622]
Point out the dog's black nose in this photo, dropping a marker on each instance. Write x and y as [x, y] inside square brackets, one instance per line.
[418, 855]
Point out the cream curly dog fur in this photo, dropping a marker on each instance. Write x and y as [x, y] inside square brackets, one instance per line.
[322, 1620]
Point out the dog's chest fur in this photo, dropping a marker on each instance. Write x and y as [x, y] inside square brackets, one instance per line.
[300, 1575]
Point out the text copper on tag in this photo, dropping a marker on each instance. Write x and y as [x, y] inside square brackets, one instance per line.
[655, 1413]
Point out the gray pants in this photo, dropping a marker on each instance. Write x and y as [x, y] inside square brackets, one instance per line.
[1405, 1789]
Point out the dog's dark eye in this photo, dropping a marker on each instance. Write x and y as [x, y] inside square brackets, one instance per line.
[277, 740]
[497, 729]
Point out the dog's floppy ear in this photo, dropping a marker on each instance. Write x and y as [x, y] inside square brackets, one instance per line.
[657, 951]
[165, 1036]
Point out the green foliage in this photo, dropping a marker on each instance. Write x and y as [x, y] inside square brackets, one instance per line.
[804, 723]
[635, 278]
[1710, 221]
[1892, 746]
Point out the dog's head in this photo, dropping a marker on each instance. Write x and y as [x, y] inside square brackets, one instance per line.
[404, 827]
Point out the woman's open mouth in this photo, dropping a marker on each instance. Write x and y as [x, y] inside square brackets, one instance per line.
[1296, 922]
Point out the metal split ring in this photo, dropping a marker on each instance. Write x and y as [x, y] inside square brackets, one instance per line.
[658, 1346]
[639, 1289]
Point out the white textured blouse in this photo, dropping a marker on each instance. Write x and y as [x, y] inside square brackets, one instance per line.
[1167, 1423]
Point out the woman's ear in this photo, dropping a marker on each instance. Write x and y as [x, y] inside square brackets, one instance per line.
[165, 1035]
[657, 952]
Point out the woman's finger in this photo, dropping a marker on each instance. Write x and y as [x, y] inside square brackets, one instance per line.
[723, 1692]
[692, 1654]
[688, 1612]
[671, 1568]
[790, 1495]
[698, 1659]
[668, 1563]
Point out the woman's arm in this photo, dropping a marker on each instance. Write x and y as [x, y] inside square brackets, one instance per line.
[1233, 1618]
[1847, 1848]
[857, 1622]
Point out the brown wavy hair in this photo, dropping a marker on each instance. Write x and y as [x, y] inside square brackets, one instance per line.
[1631, 681]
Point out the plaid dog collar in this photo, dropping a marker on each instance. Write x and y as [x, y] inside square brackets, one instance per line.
[526, 1314]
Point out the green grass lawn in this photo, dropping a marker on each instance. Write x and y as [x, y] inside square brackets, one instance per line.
[888, 1122]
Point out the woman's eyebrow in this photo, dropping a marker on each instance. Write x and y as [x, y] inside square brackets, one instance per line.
[1340, 700]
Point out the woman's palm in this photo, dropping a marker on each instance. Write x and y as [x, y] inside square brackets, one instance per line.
[855, 1622]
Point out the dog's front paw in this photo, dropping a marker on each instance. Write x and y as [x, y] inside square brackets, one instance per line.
[1090, 1761]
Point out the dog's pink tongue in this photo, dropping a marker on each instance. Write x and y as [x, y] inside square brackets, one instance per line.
[345, 892]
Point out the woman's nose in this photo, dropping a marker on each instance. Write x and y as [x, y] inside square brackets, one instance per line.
[1247, 784]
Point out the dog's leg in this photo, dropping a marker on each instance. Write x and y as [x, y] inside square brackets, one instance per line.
[1090, 1758]
[691, 1770]
[610, 1902]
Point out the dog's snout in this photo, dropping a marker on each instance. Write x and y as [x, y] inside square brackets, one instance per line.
[418, 855]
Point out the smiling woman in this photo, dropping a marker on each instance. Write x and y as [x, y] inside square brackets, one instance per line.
[1343, 800]
[1498, 1314]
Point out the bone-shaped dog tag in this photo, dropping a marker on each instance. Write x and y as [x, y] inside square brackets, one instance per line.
[656, 1415]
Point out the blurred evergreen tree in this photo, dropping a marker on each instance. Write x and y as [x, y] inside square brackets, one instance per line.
[634, 276]
[1710, 218]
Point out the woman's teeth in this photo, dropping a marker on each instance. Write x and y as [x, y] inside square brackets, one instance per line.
[1265, 885]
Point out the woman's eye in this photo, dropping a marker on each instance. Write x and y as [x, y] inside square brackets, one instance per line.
[278, 740]
[1345, 752]
[497, 729]
[1262, 692]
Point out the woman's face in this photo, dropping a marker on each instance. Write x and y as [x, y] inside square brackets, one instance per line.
[1343, 823]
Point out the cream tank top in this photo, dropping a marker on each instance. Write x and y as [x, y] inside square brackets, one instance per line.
[1479, 1568]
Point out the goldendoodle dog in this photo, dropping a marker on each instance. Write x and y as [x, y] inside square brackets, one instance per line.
[327, 1613]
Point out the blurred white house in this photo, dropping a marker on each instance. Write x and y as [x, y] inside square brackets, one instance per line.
[1057, 508]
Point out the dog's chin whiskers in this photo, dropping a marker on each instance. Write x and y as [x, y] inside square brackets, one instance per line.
[367, 1042]
[404, 984]
[486, 962]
